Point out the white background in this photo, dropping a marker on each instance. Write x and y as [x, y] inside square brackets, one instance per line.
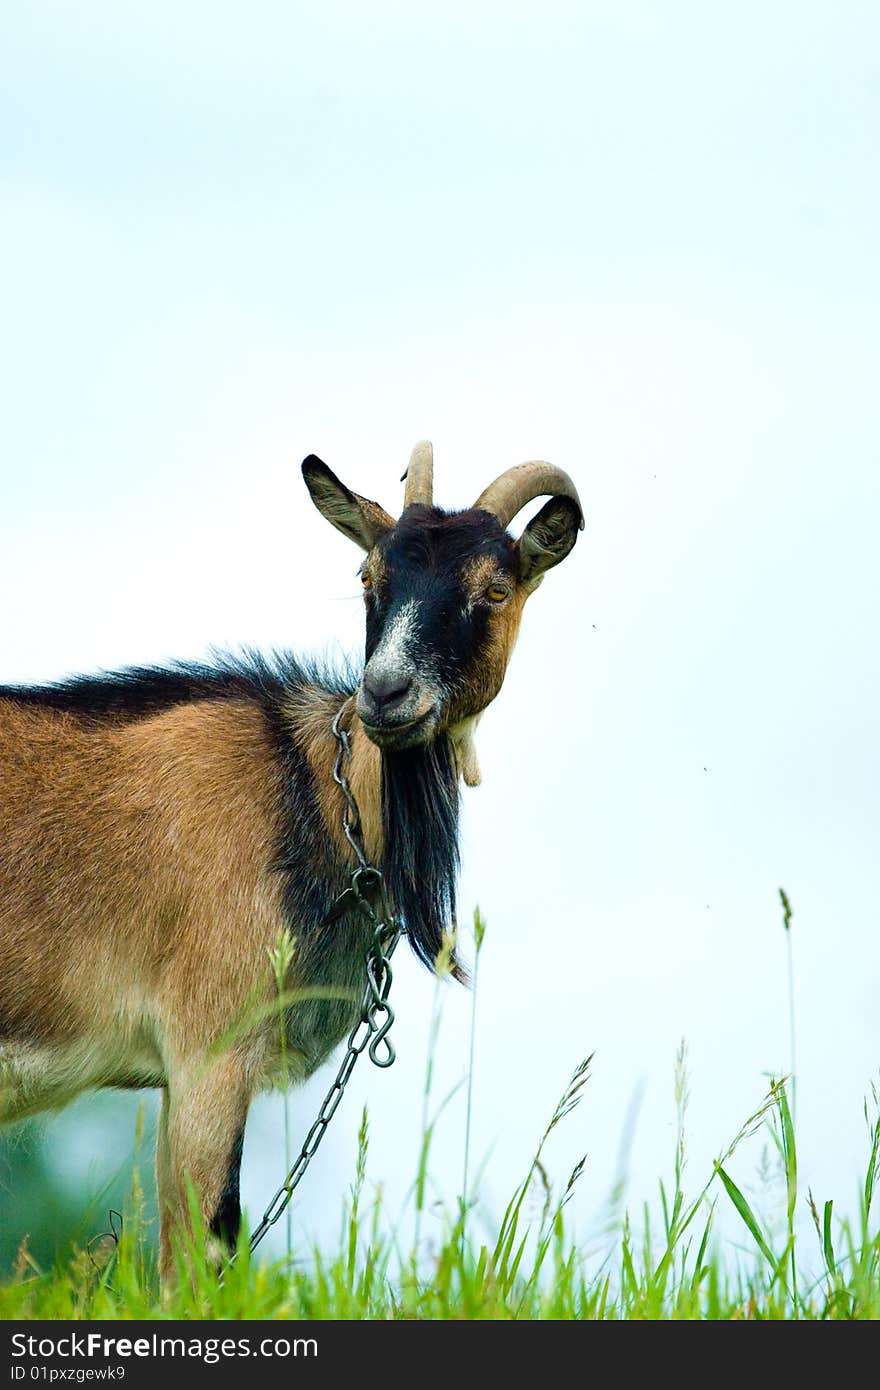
[639, 240]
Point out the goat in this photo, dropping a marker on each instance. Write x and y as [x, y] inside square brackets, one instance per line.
[159, 827]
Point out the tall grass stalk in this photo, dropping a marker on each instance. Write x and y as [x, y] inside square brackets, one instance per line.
[442, 968]
[356, 1191]
[479, 934]
[281, 957]
[787, 915]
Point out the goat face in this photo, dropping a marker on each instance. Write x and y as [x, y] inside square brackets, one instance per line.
[444, 592]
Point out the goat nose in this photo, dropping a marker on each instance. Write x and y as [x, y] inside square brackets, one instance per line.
[386, 690]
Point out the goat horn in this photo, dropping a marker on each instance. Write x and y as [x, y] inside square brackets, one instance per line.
[420, 475]
[513, 489]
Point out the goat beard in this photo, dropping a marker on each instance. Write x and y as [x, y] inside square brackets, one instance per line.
[420, 806]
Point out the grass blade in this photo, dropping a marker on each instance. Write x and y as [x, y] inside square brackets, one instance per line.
[827, 1246]
[748, 1216]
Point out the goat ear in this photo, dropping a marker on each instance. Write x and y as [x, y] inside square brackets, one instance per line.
[547, 539]
[357, 517]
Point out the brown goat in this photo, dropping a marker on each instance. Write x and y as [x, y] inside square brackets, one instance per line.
[158, 829]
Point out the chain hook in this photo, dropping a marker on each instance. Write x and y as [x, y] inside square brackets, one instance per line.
[380, 1036]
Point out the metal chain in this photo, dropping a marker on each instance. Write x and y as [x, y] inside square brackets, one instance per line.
[367, 895]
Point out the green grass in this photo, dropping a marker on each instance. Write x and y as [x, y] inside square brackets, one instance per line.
[531, 1270]
[672, 1265]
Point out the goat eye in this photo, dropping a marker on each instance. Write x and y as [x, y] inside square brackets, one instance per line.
[366, 580]
[497, 593]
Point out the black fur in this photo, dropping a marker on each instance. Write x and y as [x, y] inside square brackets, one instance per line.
[423, 558]
[420, 805]
[428, 539]
[227, 1217]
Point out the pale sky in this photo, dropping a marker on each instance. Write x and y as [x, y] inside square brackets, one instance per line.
[637, 239]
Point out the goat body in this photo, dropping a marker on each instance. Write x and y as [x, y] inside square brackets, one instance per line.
[158, 829]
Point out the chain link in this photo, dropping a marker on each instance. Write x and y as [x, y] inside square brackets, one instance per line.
[367, 895]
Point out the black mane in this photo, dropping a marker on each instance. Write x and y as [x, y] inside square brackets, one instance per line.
[138, 692]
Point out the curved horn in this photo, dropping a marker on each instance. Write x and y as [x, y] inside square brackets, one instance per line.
[513, 489]
[420, 475]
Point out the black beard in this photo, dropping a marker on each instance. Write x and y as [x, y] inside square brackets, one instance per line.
[420, 820]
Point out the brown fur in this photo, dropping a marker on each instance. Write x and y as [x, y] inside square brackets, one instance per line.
[374, 568]
[485, 679]
[478, 574]
[137, 906]
[137, 909]
[314, 713]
